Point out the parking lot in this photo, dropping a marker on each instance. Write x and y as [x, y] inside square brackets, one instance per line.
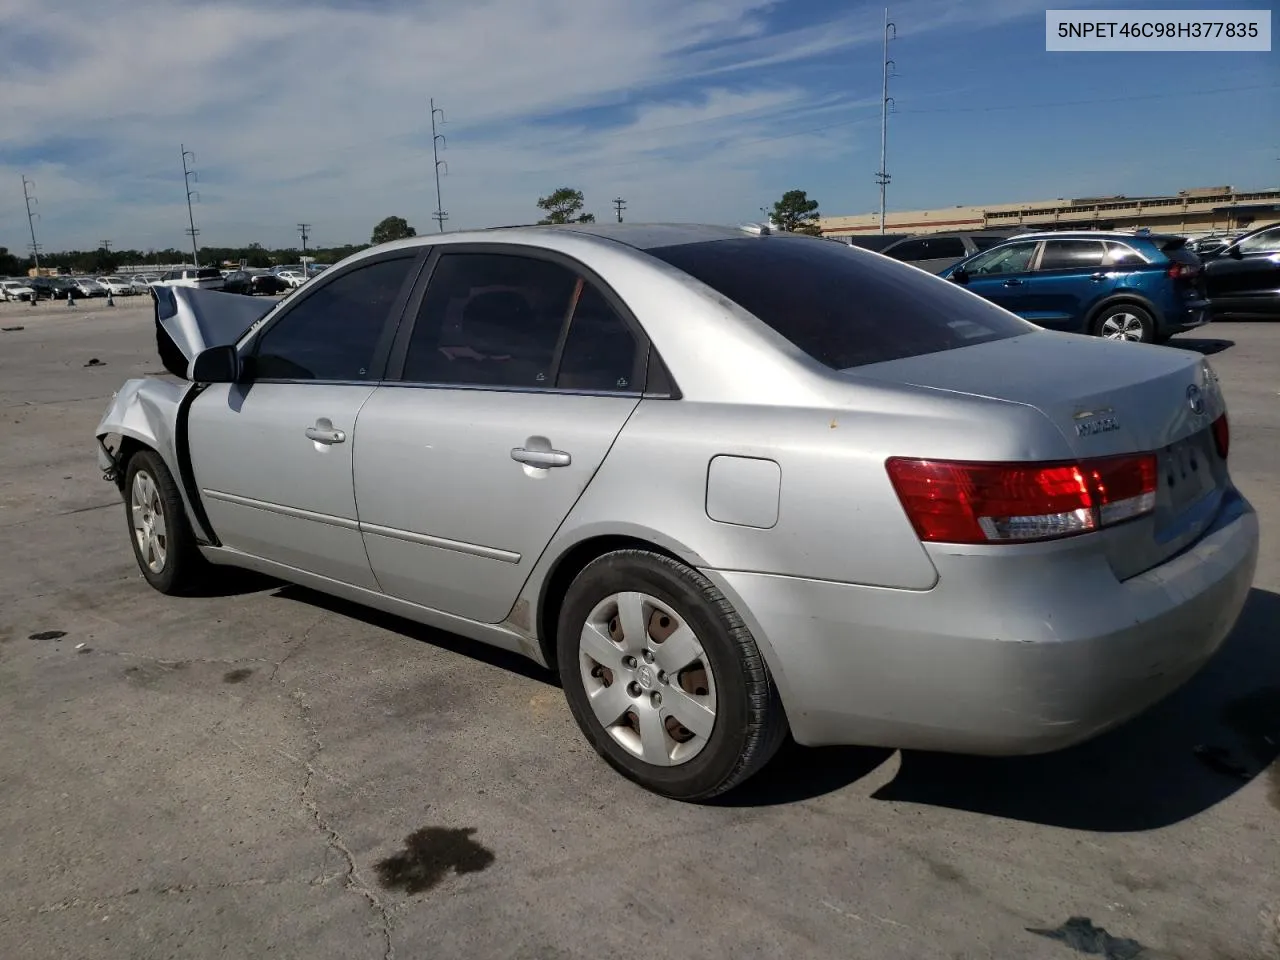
[269, 771]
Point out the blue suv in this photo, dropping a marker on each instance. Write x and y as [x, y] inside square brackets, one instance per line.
[1123, 286]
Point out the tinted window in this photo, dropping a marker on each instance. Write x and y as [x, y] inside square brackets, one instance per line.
[496, 320]
[333, 333]
[841, 306]
[928, 248]
[600, 352]
[1072, 254]
[1119, 253]
[1012, 258]
[1268, 241]
[207, 273]
[986, 243]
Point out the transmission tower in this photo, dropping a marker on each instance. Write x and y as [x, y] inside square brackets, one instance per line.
[886, 103]
[188, 175]
[619, 205]
[31, 219]
[436, 140]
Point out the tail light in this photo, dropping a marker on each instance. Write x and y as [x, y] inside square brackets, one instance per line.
[1183, 271]
[1222, 435]
[957, 502]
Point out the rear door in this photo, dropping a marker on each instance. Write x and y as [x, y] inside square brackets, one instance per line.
[1070, 277]
[272, 455]
[1245, 279]
[514, 377]
[1000, 275]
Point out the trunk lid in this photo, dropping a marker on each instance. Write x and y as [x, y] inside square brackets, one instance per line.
[1107, 398]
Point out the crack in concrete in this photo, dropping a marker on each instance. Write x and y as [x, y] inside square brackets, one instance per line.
[58, 514]
[168, 662]
[352, 879]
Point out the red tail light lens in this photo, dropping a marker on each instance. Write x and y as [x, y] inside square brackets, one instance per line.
[1183, 270]
[956, 502]
[1222, 435]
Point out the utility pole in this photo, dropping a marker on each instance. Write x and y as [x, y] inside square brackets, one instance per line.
[619, 204]
[31, 219]
[886, 101]
[105, 245]
[436, 139]
[303, 229]
[187, 176]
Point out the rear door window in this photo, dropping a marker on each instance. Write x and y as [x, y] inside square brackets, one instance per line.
[1072, 254]
[1268, 241]
[927, 248]
[842, 306]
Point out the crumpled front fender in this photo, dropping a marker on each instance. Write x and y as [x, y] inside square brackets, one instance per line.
[146, 412]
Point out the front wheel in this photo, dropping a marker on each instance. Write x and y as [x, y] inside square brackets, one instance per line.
[1125, 321]
[163, 543]
[664, 678]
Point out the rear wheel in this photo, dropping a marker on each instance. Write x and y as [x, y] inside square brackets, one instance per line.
[163, 543]
[1125, 321]
[664, 678]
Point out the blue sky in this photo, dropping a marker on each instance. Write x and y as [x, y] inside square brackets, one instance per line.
[690, 109]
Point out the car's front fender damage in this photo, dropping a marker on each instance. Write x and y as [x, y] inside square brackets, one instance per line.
[146, 413]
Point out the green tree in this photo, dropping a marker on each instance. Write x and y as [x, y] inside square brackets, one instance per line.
[796, 213]
[392, 228]
[11, 265]
[562, 206]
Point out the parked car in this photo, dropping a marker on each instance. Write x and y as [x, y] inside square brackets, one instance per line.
[1047, 536]
[254, 282]
[1205, 247]
[1122, 286]
[46, 288]
[88, 287]
[142, 282]
[117, 286]
[1243, 279]
[937, 251]
[294, 278]
[203, 278]
[871, 241]
[16, 290]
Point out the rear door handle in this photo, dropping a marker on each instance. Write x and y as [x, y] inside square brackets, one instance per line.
[1013, 283]
[322, 434]
[1098, 277]
[541, 458]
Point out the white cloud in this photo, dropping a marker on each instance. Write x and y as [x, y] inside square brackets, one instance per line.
[320, 113]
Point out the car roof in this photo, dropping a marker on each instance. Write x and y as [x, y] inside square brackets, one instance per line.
[1093, 235]
[641, 236]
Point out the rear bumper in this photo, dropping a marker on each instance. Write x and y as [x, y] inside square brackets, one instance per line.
[1035, 658]
[1188, 315]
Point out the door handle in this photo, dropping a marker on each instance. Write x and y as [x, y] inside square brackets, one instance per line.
[1097, 277]
[541, 458]
[325, 434]
[1013, 283]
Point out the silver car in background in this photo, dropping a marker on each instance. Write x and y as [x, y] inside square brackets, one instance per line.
[728, 484]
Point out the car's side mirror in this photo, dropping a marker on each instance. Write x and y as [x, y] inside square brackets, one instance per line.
[216, 365]
[959, 276]
[1234, 253]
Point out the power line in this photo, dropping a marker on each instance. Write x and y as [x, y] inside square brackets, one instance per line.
[31, 219]
[619, 205]
[436, 139]
[187, 176]
[882, 175]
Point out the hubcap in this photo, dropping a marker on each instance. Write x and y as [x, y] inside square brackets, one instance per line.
[647, 678]
[1122, 326]
[147, 513]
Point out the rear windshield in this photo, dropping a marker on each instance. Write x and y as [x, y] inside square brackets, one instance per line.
[208, 273]
[843, 307]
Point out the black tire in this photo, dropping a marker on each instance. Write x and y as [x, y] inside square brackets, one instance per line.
[749, 724]
[1124, 315]
[183, 563]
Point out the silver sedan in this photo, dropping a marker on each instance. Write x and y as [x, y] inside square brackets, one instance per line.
[729, 484]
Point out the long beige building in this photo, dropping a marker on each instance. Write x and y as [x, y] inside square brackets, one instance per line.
[1201, 210]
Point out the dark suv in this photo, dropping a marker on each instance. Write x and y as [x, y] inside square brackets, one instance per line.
[937, 251]
[1123, 286]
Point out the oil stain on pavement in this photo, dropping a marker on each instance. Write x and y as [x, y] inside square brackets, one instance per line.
[1081, 935]
[48, 635]
[428, 856]
[237, 676]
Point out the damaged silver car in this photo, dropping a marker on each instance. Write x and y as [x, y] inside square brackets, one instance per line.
[728, 483]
